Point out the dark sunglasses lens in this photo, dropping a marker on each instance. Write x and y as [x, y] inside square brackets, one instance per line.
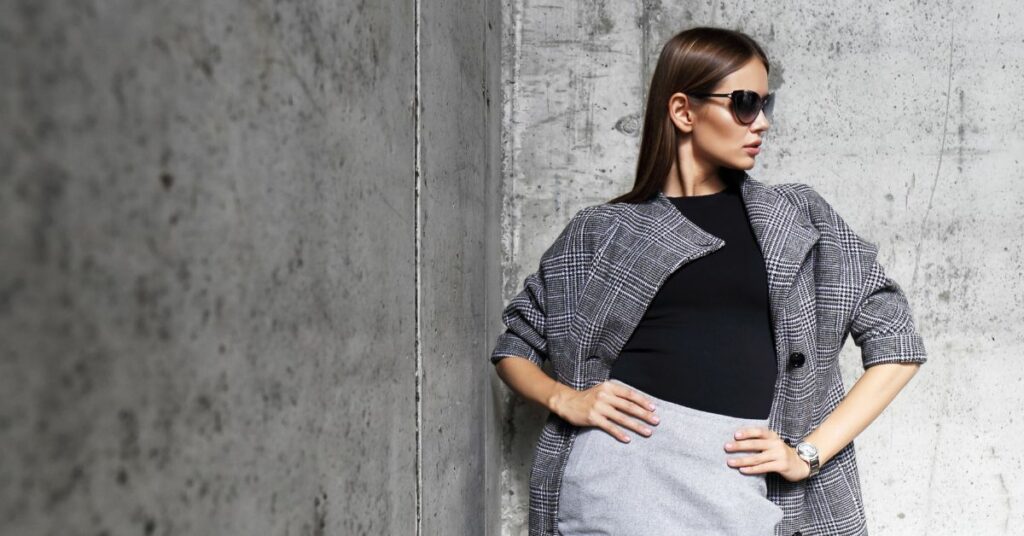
[769, 105]
[748, 104]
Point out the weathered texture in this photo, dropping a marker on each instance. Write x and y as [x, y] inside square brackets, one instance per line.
[459, 259]
[894, 117]
[223, 274]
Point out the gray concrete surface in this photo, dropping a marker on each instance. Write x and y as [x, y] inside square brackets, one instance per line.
[902, 114]
[245, 290]
[242, 288]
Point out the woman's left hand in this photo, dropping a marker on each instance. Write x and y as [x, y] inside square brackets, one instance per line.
[773, 454]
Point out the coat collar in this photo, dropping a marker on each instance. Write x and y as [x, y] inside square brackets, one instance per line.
[650, 240]
[783, 231]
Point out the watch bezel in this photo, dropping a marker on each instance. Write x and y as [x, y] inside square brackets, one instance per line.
[806, 449]
[808, 453]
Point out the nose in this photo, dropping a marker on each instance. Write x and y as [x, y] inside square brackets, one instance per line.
[760, 123]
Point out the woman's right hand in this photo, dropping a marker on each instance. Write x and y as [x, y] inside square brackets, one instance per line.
[604, 405]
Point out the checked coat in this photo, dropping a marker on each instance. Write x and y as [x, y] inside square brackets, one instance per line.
[593, 286]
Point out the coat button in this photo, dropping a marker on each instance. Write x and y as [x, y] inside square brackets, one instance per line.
[798, 533]
[796, 359]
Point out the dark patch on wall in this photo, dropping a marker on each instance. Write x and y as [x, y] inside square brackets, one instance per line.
[630, 125]
[43, 189]
[320, 513]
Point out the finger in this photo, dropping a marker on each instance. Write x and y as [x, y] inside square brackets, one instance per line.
[628, 407]
[606, 424]
[632, 395]
[633, 403]
[750, 445]
[632, 424]
[767, 467]
[753, 432]
[745, 461]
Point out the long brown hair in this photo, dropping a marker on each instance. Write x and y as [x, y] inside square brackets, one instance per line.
[694, 60]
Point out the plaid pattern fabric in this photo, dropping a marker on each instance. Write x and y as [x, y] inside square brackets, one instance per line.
[593, 286]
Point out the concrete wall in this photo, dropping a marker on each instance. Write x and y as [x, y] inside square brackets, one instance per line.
[899, 114]
[241, 288]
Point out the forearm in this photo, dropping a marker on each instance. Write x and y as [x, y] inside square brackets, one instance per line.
[529, 381]
[865, 401]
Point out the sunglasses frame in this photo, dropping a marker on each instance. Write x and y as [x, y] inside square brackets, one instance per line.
[761, 101]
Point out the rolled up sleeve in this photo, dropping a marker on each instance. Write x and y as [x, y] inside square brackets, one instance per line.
[881, 321]
[524, 319]
[528, 319]
[882, 324]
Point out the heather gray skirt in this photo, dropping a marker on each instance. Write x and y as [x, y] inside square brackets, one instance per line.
[674, 482]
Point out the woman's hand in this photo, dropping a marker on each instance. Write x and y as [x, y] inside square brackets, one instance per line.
[773, 454]
[603, 405]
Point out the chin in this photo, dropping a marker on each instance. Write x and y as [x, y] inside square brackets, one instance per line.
[746, 164]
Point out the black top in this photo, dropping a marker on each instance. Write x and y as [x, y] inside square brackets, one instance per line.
[706, 339]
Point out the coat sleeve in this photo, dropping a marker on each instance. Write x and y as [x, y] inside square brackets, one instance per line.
[526, 317]
[881, 320]
[882, 323]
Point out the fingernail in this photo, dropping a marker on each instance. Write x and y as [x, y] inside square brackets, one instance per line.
[728, 445]
[627, 439]
[655, 419]
[652, 407]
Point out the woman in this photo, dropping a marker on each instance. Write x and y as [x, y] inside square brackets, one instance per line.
[704, 311]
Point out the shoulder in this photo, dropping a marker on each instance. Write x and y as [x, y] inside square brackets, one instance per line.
[598, 217]
[836, 232]
[801, 194]
[818, 209]
[586, 229]
[594, 221]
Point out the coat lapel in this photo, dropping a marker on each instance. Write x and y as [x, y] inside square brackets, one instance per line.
[783, 231]
[653, 239]
[785, 234]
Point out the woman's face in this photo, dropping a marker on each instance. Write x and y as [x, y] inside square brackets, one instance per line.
[717, 136]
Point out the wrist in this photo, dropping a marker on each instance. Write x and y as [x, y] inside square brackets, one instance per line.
[804, 471]
[555, 396]
[804, 464]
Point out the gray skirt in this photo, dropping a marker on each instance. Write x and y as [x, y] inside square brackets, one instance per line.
[674, 482]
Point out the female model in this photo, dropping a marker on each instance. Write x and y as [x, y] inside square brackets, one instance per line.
[694, 311]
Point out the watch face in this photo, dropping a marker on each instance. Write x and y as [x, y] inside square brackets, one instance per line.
[806, 449]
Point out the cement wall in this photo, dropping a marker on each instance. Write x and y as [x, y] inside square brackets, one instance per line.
[242, 288]
[898, 114]
[246, 289]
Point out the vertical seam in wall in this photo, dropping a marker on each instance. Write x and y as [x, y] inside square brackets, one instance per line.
[511, 209]
[645, 47]
[418, 178]
[512, 13]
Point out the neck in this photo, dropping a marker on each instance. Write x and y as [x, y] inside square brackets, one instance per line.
[695, 176]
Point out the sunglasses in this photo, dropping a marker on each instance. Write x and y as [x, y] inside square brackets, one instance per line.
[746, 104]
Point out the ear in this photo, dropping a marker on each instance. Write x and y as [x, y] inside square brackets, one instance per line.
[680, 111]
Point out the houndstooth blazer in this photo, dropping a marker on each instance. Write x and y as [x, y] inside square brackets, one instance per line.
[594, 284]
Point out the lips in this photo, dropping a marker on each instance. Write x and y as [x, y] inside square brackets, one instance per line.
[755, 144]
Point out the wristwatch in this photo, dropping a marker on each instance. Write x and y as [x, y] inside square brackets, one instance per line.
[809, 454]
